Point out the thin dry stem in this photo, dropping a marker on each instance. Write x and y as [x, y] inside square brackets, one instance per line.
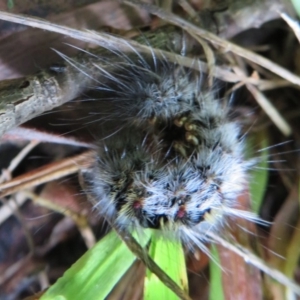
[9, 272]
[9, 207]
[137, 250]
[16, 161]
[23, 133]
[270, 110]
[257, 262]
[47, 173]
[292, 23]
[80, 220]
[219, 42]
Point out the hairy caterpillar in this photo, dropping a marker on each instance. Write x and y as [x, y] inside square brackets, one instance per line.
[174, 156]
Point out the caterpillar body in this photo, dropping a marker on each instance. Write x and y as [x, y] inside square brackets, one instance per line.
[174, 161]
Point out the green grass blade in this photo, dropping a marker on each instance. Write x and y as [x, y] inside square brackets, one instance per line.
[170, 257]
[95, 274]
[259, 175]
[216, 286]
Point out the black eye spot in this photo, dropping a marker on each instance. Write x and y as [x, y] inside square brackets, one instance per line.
[151, 176]
[173, 200]
[197, 218]
[24, 84]
[120, 201]
[153, 222]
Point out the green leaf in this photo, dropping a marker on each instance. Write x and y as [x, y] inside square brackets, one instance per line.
[170, 257]
[216, 286]
[259, 175]
[95, 274]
